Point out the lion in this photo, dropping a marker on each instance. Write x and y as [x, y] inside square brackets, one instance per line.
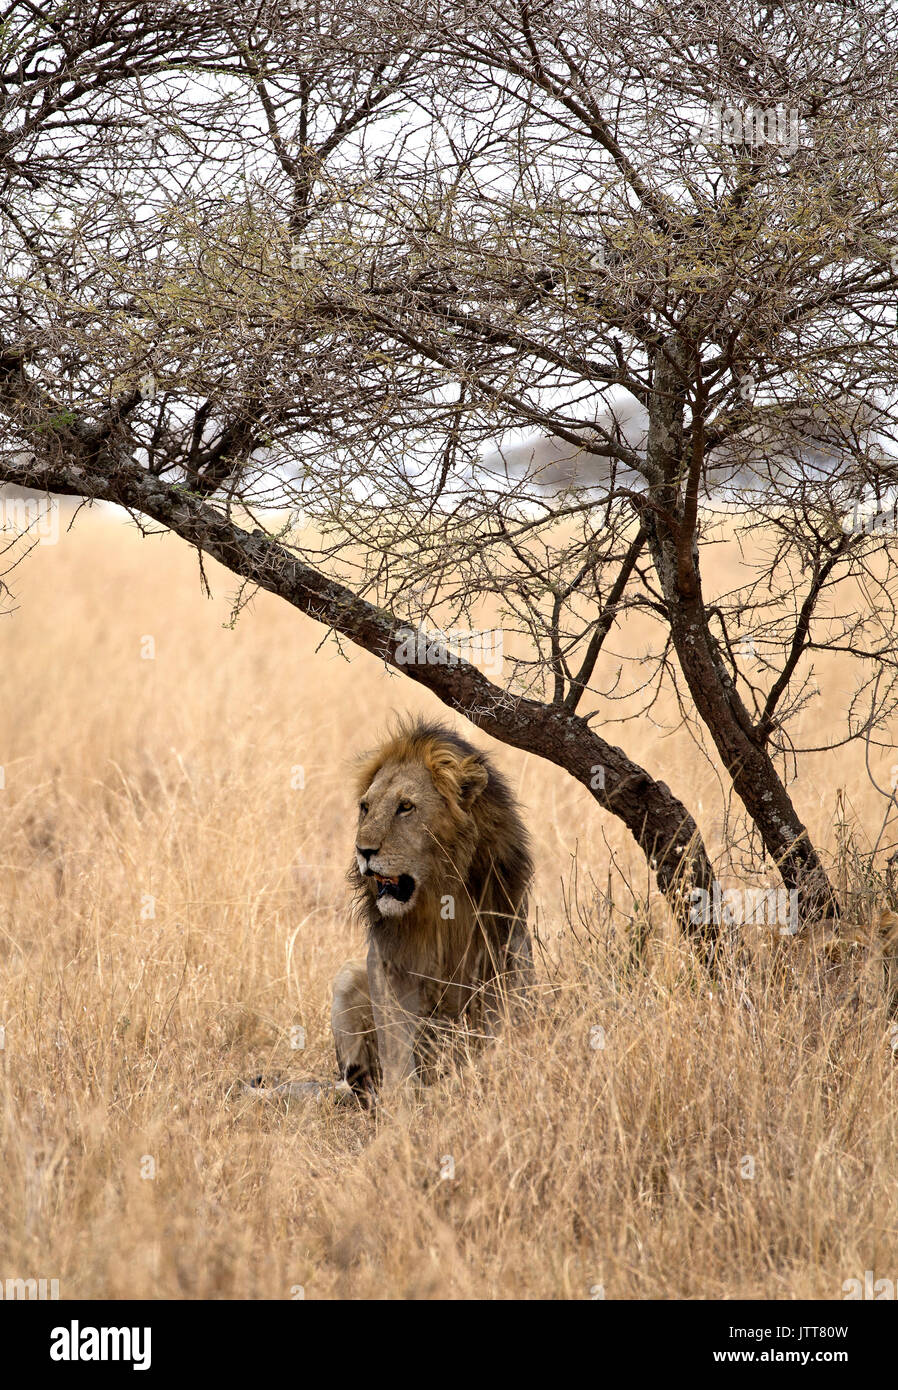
[441, 875]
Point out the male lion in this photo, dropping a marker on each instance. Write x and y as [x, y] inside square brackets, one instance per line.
[441, 873]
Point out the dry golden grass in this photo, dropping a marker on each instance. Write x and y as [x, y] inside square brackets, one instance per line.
[172, 906]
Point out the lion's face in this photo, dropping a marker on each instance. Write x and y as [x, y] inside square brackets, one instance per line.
[404, 824]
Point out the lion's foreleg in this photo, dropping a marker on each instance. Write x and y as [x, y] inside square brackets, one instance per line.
[396, 1005]
[355, 1037]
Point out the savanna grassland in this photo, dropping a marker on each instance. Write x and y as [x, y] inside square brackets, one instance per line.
[173, 908]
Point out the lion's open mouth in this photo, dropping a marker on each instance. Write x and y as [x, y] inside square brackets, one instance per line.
[401, 887]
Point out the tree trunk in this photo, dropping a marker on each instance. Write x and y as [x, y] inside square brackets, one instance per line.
[671, 528]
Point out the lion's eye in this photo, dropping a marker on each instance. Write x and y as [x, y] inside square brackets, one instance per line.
[404, 807]
[363, 807]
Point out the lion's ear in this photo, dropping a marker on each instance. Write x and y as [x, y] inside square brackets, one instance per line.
[472, 780]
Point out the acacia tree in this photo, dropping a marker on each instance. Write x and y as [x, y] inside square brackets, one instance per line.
[328, 258]
[697, 210]
[181, 333]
